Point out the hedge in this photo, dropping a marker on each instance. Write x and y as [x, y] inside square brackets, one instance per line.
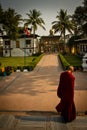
[64, 62]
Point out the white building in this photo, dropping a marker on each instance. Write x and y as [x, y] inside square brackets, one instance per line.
[82, 45]
[25, 45]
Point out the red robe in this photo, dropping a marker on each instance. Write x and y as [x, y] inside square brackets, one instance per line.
[65, 92]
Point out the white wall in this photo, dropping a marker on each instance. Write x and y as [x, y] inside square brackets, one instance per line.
[21, 51]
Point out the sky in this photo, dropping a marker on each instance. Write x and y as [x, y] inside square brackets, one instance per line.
[48, 9]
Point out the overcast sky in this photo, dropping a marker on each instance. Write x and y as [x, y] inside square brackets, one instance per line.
[48, 9]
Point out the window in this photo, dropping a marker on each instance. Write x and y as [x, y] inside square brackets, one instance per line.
[30, 50]
[5, 51]
[17, 44]
[28, 43]
[7, 43]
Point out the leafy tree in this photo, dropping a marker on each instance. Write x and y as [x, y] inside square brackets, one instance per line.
[11, 21]
[84, 28]
[80, 17]
[1, 19]
[1, 14]
[63, 23]
[85, 8]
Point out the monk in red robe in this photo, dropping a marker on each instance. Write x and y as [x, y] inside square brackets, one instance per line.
[65, 92]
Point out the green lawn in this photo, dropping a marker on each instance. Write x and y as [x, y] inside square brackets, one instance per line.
[19, 61]
[74, 59]
[15, 61]
[69, 59]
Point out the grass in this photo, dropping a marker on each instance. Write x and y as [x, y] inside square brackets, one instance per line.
[11, 64]
[19, 61]
[70, 59]
[74, 60]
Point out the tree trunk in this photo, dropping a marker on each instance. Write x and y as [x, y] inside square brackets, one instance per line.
[33, 38]
[64, 42]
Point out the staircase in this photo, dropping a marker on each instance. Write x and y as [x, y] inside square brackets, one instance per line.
[52, 122]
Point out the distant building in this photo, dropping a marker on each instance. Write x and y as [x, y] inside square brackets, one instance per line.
[49, 43]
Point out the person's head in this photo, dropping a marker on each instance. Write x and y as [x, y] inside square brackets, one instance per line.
[71, 68]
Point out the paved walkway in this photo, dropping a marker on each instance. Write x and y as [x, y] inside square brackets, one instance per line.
[36, 90]
[26, 93]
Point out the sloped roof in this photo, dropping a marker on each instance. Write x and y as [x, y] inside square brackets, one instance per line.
[22, 36]
[31, 36]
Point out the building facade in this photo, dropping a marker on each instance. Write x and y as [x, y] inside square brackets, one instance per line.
[82, 45]
[24, 45]
[49, 43]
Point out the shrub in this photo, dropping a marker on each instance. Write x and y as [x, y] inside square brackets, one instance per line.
[37, 54]
[64, 62]
[8, 70]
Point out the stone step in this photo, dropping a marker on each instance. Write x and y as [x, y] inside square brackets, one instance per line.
[39, 123]
[7, 122]
[55, 122]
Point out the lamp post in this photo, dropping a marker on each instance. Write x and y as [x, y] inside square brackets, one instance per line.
[26, 33]
[24, 50]
[25, 46]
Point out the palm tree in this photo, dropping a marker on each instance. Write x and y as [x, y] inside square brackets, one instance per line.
[35, 20]
[63, 23]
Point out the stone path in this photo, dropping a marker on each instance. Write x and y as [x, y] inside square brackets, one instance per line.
[36, 90]
[32, 90]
